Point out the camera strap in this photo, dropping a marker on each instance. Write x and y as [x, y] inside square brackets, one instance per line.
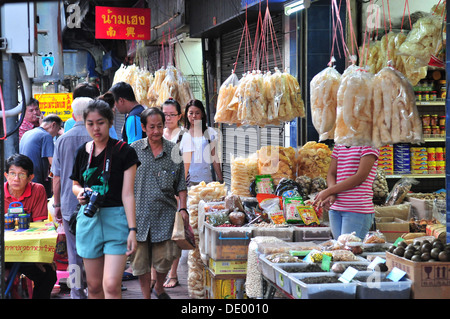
[107, 161]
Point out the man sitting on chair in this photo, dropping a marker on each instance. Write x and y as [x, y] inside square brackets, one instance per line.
[20, 188]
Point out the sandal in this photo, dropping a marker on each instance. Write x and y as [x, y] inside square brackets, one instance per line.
[152, 285]
[166, 284]
[128, 276]
[162, 295]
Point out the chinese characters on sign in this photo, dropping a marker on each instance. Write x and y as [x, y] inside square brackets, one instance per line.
[122, 23]
[56, 103]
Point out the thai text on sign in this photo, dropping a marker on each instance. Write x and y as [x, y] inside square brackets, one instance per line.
[122, 23]
[56, 103]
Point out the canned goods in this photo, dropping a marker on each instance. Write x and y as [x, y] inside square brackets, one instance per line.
[431, 154]
[440, 165]
[442, 130]
[433, 96]
[443, 89]
[426, 120]
[434, 120]
[426, 130]
[442, 120]
[418, 96]
[439, 154]
[435, 130]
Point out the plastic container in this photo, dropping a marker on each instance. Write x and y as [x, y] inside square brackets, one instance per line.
[228, 243]
[283, 233]
[10, 223]
[24, 221]
[374, 285]
[267, 268]
[303, 290]
[317, 233]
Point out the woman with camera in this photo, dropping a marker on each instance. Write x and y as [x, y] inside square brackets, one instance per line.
[103, 181]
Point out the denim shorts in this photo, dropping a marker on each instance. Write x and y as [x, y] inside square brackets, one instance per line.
[105, 233]
[347, 222]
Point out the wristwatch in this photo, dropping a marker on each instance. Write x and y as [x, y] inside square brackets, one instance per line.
[56, 205]
[184, 210]
[132, 228]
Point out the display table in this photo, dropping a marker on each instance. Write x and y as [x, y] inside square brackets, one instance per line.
[36, 244]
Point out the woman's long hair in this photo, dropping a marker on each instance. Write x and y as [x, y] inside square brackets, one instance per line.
[187, 124]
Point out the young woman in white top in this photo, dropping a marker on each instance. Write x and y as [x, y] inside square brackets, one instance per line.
[199, 146]
[172, 112]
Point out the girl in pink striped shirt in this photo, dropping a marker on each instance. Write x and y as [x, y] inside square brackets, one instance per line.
[349, 193]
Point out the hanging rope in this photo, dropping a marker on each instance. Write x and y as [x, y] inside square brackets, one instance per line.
[340, 27]
[245, 37]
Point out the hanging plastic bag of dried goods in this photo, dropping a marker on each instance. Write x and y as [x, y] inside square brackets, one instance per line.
[169, 86]
[184, 93]
[274, 88]
[323, 90]
[395, 115]
[153, 90]
[291, 105]
[354, 109]
[226, 111]
[424, 40]
[142, 82]
[252, 104]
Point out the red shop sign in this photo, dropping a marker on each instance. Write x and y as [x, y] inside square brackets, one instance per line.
[122, 23]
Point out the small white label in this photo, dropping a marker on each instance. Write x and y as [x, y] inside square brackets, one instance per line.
[348, 275]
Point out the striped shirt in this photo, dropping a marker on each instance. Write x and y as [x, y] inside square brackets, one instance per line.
[359, 198]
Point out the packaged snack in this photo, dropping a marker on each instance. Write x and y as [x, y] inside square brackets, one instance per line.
[308, 215]
[277, 217]
[291, 214]
[218, 218]
[399, 191]
[374, 237]
[288, 188]
[264, 184]
[273, 206]
[348, 238]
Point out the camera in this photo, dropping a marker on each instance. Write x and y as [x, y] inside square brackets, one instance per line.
[94, 202]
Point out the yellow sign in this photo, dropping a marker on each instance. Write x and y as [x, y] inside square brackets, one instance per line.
[56, 103]
[37, 244]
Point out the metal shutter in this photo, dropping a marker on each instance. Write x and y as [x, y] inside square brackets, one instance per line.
[246, 139]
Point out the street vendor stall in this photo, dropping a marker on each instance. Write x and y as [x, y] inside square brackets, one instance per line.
[36, 244]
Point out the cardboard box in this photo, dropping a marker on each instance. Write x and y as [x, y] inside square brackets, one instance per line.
[431, 280]
[438, 231]
[224, 286]
[400, 211]
[227, 267]
[391, 227]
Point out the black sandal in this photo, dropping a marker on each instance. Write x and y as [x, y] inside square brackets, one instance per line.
[177, 283]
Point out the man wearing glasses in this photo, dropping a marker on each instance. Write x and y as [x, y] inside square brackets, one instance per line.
[20, 188]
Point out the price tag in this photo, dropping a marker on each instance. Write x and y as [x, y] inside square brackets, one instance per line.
[376, 261]
[308, 259]
[348, 275]
[326, 261]
[396, 274]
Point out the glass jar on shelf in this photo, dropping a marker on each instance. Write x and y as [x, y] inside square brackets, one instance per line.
[426, 120]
